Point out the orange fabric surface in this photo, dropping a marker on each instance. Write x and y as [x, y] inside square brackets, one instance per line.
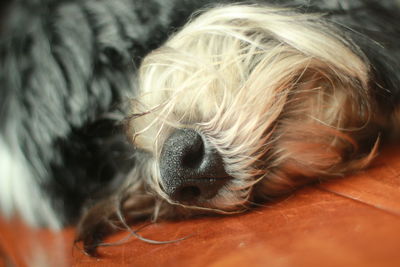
[352, 221]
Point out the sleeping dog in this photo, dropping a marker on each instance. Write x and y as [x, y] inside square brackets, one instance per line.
[243, 103]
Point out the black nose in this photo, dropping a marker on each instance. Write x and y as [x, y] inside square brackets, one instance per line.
[191, 171]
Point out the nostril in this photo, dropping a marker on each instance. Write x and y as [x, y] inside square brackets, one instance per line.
[189, 193]
[194, 154]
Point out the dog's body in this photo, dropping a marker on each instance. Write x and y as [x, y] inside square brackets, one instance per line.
[258, 99]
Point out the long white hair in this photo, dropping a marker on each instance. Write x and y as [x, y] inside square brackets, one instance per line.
[283, 96]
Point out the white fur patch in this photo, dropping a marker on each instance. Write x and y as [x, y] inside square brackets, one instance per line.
[19, 193]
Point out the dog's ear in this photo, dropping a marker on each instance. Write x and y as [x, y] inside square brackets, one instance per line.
[314, 152]
[327, 129]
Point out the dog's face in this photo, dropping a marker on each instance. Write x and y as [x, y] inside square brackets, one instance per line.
[248, 102]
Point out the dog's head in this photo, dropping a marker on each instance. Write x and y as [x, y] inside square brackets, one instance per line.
[250, 100]
[246, 102]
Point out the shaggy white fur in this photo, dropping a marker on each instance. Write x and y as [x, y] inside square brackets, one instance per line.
[282, 96]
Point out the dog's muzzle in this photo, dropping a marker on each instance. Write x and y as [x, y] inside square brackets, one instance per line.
[192, 172]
